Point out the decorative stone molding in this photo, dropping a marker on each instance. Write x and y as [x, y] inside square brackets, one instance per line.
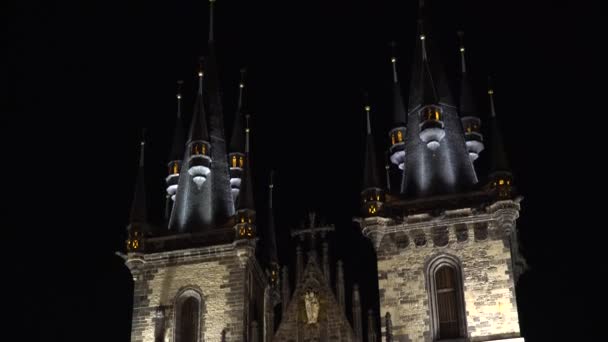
[245, 251]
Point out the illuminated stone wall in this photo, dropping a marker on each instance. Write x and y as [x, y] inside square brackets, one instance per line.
[480, 241]
[216, 272]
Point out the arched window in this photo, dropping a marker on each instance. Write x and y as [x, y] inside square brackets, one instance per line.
[188, 322]
[188, 312]
[444, 280]
[447, 307]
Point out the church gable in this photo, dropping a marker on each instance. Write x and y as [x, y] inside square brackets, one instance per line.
[313, 314]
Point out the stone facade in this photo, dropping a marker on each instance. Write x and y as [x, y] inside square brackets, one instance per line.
[478, 242]
[227, 277]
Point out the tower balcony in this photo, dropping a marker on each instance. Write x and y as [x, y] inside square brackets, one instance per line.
[431, 126]
[236, 160]
[173, 177]
[472, 135]
[199, 162]
[397, 148]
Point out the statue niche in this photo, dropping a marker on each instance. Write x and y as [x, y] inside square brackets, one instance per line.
[311, 300]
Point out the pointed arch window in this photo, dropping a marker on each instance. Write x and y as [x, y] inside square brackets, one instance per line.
[188, 317]
[444, 282]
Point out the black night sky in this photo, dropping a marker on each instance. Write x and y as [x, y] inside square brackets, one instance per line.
[83, 78]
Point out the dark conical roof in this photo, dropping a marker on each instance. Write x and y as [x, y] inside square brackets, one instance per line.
[237, 140]
[499, 161]
[371, 178]
[177, 148]
[198, 125]
[272, 240]
[138, 208]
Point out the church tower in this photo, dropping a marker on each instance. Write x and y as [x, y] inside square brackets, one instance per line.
[446, 242]
[202, 278]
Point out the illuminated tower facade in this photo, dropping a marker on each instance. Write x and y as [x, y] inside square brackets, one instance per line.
[446, 243]
[202, 278]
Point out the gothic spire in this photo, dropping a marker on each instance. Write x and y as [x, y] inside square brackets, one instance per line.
[371, 178]
[198, 125]
[245, 199]
[237, 140]
[272, 242]
[138, 217]
[138, 208]
[499, 159]
[424, 90]
[466, 103]
[177, 148]
[399, 115]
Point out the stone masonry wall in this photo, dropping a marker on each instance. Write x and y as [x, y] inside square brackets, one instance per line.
[214, 272]
[489, 295]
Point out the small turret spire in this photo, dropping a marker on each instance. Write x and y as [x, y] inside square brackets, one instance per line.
[241, 86]
[247, 134]
[367, 109]
[499, 159]
[143, 145]
[372, 195]
[237, 145]
[200, 76]
[500, 177]
[397, 133]
[138, 217]
[236, 157]
[394, 62]
[198, 127]
[463, 66]
[491, 96]
[467, 105]
[246, 214]
[272, 242]
[177, 153]
[179, 98]
[468, 110]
